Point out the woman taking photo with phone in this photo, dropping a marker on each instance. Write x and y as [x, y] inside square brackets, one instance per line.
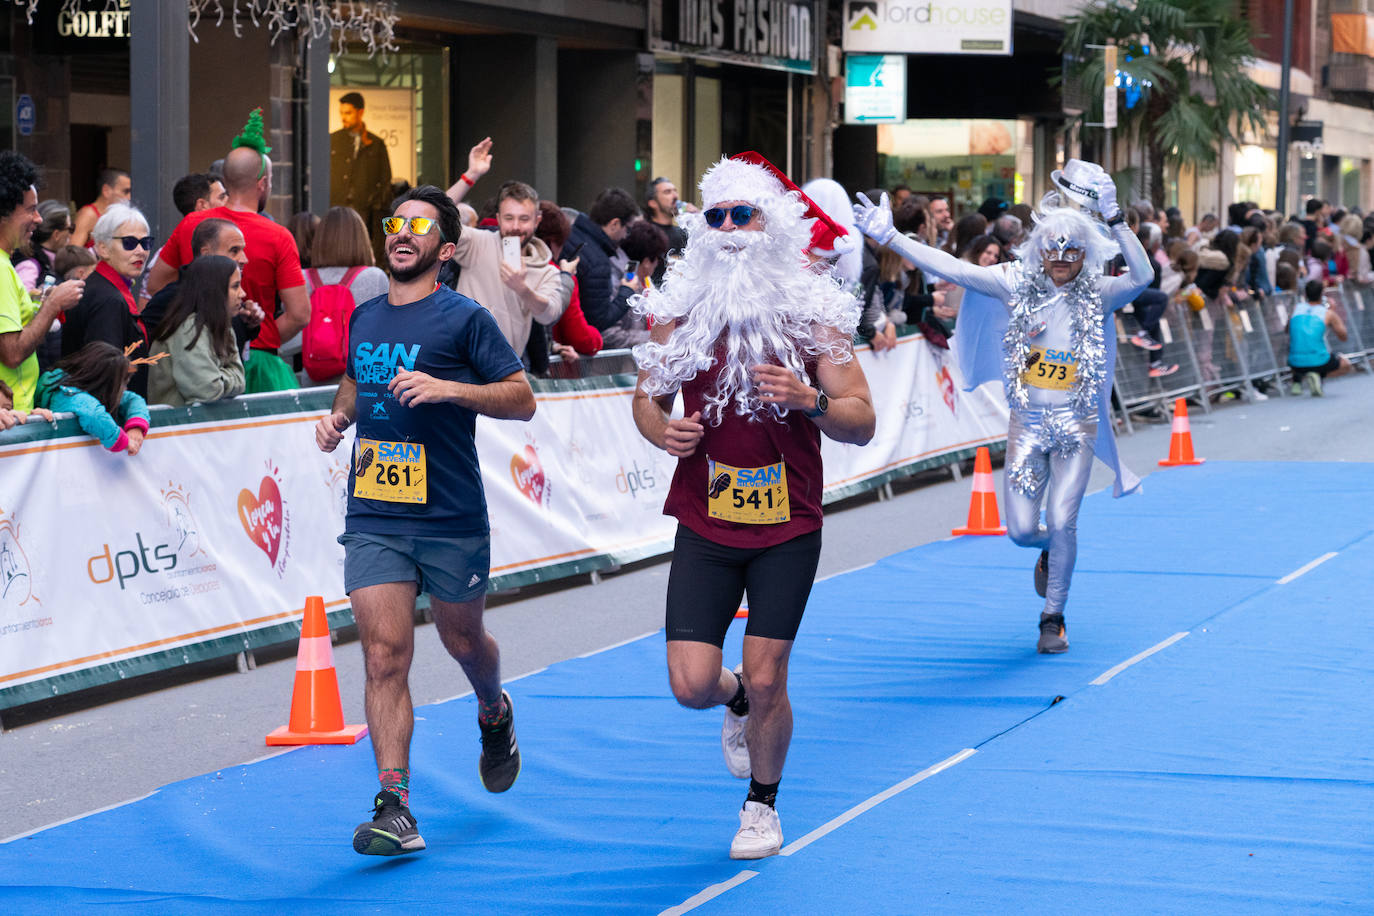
[203, 362]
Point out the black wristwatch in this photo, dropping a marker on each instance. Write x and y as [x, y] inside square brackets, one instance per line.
[1118, 219]
[822, 405]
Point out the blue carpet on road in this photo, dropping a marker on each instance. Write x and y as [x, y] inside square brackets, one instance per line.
[1232, 772]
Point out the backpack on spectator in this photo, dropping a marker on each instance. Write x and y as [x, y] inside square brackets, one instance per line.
[324, 342]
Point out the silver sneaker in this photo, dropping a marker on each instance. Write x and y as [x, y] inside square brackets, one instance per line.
[732, 741]
[760, 832]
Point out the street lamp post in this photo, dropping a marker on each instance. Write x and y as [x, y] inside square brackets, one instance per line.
[1281, 183]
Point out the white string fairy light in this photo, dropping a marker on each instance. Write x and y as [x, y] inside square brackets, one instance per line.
[371, 23]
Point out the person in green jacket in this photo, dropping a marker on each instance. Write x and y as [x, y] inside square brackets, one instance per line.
[203, 362]
[93, 384]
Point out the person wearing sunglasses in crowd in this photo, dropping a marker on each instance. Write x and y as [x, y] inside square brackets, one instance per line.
[424, 362]
[759, 345]
[107, 310]
[1043, 324]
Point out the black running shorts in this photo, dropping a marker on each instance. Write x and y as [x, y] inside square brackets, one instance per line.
[708, 580]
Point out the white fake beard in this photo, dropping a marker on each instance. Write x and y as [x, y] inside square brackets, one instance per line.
[752, 294]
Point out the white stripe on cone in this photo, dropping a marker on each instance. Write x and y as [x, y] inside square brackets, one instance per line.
[982, 482]
[314, 654]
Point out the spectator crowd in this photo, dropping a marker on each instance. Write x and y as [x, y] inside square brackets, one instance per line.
[99, 317]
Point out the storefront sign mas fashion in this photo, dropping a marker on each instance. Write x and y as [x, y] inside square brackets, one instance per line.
[779, 34]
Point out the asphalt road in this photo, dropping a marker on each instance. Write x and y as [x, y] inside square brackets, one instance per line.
[61, 761]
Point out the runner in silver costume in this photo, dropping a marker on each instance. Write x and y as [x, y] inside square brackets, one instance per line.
[1056, 350]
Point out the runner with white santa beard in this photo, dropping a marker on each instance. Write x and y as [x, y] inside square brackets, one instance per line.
[758, 344]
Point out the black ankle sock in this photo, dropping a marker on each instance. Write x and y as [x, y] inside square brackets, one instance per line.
[739, 703]
[764, 794]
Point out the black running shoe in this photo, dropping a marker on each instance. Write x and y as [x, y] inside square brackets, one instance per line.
[392, 830]
[1042, 573]
[500, 761]
[1053, 636]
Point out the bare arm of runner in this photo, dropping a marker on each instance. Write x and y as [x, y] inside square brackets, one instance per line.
[678, 438]
[510, 398]
[329, 430]
[849, 416]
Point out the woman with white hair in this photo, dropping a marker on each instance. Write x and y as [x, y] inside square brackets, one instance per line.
[1048, 335]
[107, 310]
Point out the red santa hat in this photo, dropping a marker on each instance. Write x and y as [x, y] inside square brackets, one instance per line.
[746, 176]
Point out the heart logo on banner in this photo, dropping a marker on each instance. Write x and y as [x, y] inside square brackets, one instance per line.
[261, 517]
[528, 474]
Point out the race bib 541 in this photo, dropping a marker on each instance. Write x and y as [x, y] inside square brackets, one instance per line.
[748, 496]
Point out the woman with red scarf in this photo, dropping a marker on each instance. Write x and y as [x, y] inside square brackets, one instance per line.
[107, 310]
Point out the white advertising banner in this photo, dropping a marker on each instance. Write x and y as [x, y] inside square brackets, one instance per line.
[927, 26]
[220, 528]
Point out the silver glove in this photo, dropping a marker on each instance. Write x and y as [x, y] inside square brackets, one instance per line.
[874, 220]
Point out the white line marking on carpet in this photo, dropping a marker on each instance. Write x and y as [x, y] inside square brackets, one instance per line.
[712, 892]
[1303, 570]
[1110, 673]
[861, 807]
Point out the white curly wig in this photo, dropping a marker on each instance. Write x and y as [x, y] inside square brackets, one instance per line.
[1054, 219]
[750, 292]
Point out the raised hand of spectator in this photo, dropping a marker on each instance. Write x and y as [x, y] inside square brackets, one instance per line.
[65, 295]
[329, 431]
[569, 267]
[135, 441]
[514, 279]
[479, 159]
[251, 313]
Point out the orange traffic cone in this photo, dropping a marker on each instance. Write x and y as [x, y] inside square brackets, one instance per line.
[982, 506]
[1181, 441]
[316, 713]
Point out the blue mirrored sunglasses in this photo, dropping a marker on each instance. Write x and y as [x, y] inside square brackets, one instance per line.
[740, 215]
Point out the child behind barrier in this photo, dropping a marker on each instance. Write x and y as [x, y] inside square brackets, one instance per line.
[93, 384]
[11, 417]
[1308, 355]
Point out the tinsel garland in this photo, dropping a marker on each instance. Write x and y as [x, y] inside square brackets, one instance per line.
[1033, 294]
[371, 23]
[1059, 434]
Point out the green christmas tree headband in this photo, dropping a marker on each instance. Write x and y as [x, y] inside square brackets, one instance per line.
[252, 137]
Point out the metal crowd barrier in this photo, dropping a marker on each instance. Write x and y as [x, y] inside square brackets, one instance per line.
[1242, 347]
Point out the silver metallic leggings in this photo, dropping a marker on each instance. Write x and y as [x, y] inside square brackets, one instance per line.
[1049, 459]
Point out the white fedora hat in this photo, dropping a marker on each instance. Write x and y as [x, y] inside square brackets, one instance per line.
[1078, 182]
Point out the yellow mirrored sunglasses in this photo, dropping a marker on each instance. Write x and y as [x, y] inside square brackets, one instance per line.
[419, 225]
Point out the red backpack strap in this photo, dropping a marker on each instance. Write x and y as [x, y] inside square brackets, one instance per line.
[352, 275]
[314, 276]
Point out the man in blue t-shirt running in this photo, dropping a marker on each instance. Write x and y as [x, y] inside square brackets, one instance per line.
[423, 362]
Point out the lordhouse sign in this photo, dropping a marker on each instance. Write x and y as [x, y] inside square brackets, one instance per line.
[927, 26]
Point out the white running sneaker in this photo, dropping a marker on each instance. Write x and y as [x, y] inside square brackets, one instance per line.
[732, 741]
[760, 832]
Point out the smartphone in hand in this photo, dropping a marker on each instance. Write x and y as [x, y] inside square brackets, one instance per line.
[510, 250]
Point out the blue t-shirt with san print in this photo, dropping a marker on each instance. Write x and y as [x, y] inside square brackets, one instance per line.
[449, 337]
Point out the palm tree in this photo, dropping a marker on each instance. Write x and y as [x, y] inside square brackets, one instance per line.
[1179, 50]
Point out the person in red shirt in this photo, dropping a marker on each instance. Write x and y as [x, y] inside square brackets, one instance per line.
[747, 489]
[273, 273]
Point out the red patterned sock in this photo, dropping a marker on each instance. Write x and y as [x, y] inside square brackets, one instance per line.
[396, 779]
